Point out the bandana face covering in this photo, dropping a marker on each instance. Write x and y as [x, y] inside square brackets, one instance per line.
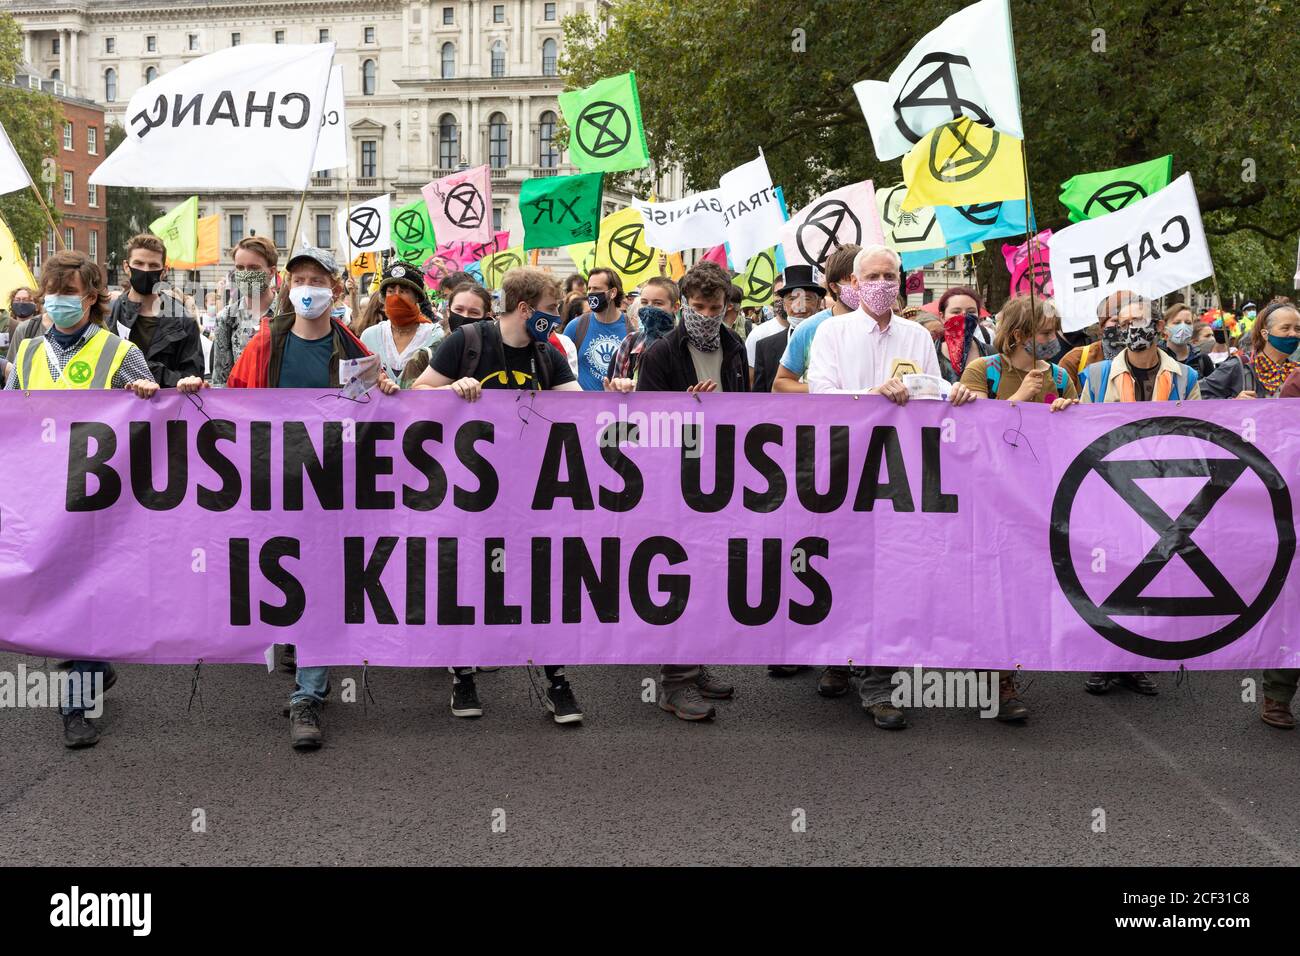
[251, 282]
[704, 331]
[957, 332]
[399, 311]
[655, 322]
[878, 296]
[1113, 340]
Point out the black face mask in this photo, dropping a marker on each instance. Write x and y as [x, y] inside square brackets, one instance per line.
[144, 281]
[24, 310]
[1220, 336]
[455, 320]
[598, 301]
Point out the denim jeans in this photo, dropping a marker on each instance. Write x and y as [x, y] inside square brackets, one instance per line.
[85, 671]
[311, 682]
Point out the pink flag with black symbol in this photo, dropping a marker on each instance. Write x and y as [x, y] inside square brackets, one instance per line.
[460, 206]
[1030, 270]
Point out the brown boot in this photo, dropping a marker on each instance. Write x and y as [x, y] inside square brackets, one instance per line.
[1277, 713]
[1010, 706]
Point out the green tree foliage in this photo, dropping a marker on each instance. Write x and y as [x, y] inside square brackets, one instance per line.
[1104, 83]
[130, 210]
[34, 122]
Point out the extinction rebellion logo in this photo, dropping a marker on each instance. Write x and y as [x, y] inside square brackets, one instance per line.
[1159, 540]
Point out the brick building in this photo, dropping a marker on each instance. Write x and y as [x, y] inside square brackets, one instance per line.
[81, 208]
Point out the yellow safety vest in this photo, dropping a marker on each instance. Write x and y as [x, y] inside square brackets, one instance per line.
[94, 365]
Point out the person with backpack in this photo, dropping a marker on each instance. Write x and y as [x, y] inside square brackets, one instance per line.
[1020, 370]
[597, 334]
[515, 353]
[1141, 372]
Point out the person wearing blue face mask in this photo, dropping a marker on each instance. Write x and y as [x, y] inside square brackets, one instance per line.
[515, 353]
[77, 352]
[1273, 357]
[1180, 328]
[598, 333]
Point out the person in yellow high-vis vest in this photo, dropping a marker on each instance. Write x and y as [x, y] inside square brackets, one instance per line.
[78, 352]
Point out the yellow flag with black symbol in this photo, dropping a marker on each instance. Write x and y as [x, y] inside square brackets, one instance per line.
[622, 247]
[495, 266]
[14, 273]
[583, 256]
[756, 281]
[962, 163]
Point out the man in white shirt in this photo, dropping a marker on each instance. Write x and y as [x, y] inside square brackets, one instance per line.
[868, 351]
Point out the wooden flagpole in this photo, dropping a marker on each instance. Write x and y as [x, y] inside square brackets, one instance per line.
[49, 216]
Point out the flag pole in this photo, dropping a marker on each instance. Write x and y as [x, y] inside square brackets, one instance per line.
[347, 237]
[49, 217]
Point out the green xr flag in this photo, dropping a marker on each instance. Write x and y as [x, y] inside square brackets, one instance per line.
[179, 231]
[1090, 195]
[757, 280]
[605, 131]
[412, 232]
[560, 210]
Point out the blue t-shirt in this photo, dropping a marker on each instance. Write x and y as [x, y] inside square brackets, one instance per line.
[795, 358]
[594, 354]
[306, 362]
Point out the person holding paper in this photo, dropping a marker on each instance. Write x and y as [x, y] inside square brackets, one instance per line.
[868, 351]
[1021, 370]
[304, 348]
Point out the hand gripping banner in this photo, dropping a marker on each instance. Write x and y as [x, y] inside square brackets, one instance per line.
[421, 530]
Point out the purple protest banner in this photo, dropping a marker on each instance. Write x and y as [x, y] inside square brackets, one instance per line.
[420, 530]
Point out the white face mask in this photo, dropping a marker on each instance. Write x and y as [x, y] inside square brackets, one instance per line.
[310, 301]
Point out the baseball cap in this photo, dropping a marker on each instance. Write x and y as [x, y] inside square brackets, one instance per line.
[317, 255]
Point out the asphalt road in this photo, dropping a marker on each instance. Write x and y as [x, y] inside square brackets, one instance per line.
[1189, 777]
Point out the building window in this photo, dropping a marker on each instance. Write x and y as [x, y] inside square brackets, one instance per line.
[67, 136]
[151, 74]
[498, 13]
[498, 141]
[110, 86]
[192, 41]
[67, 189]
[36, 258]
[234, 39]
[69, 239]
[54, 47]
[368, 77]
[93, 248]
[280, 230]
[324, 230]
[448, 61]
[548, 59]
[498, 59]
[110, 44]
[236, 227]
[370, 35]
[92, 195]
[369, 158]
[448, 142]
[496, 218]
[324, 35]
[49, 242]
[55, 75]
[548, 11]
[448, 16]
[92, 140]
[279, 36]
[548, 155]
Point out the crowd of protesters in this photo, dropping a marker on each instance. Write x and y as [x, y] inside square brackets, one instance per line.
[844, 330]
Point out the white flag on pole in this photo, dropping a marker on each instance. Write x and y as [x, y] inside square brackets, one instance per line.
[751, 213]
[966, 66]
[694, 222]
[247, 117]
[332, 147]
[13, 174]
[366, 226]
[1152, 247]
[841, 217]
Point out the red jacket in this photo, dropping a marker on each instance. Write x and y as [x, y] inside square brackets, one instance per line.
[258, 366]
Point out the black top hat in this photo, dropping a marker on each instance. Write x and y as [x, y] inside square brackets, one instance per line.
[800, 277]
